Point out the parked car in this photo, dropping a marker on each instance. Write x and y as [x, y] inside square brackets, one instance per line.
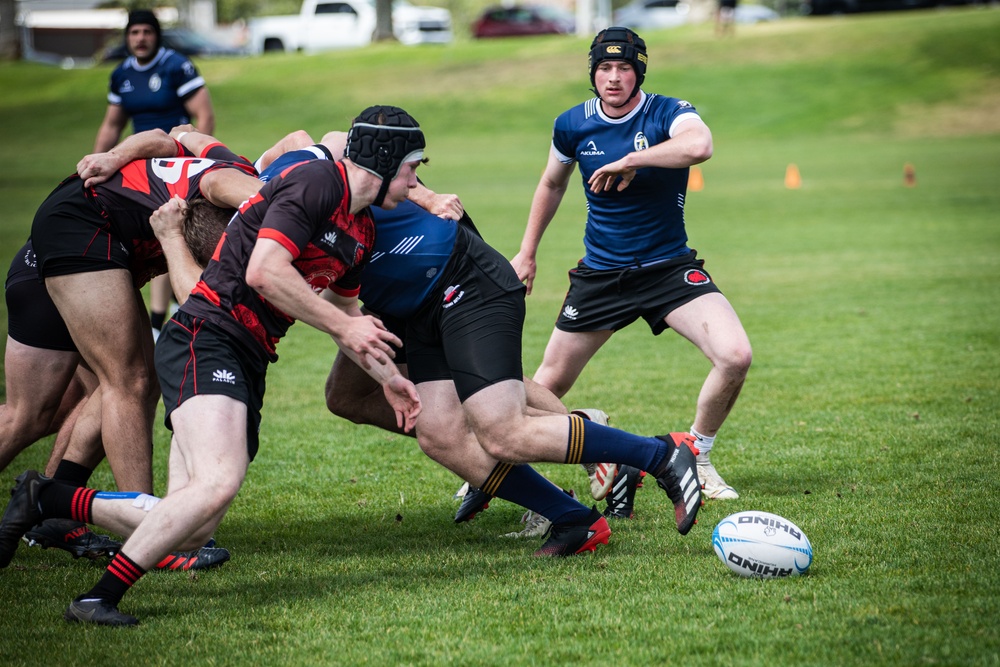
[181, 40]
[521, 20]
[747, 14]
[338, 24]
[653, 14]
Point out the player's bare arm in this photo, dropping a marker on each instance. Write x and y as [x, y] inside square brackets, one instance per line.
[544, 204]
[111, 128]
[400, 393]
[271, 274]
[691, 145]
[168, 225]
[99, 167]
[199, 109]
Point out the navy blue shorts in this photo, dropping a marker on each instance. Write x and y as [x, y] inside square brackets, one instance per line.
[609, 300]
[193, 358]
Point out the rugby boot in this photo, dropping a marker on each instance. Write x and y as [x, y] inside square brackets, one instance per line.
[22, 512]
[474, 502]
[571, 538]
[199, 559]
[98, 612]
[621, 500]
[72, 536]
[678, 476]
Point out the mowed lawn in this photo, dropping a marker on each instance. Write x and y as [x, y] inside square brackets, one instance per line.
[869, 418]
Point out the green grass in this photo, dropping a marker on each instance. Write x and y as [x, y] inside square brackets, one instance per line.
[870, 416]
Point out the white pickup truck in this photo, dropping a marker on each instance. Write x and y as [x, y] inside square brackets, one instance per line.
[337, 24]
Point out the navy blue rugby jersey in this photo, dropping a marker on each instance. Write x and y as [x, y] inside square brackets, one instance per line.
[153, 94]
[645, 222]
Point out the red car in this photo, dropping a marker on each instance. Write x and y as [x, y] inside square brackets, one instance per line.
[519, 20]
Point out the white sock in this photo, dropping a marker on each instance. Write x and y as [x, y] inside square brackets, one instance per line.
[703, 443]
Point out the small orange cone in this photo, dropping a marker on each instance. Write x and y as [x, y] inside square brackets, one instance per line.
[909, 175]
[696, 182]
[793, 180]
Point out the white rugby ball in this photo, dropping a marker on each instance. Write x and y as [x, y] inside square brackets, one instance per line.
[761, 544]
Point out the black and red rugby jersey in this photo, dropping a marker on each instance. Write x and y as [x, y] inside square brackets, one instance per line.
[307, 210]
[130, 197]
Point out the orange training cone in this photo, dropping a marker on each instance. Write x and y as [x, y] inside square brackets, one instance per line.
[793, 180]
[696, 182]
[909, 175]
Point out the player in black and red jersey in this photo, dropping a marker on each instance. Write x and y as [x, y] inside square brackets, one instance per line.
[306, 230]
[96, 248]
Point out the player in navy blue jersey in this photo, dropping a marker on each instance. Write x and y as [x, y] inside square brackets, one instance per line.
[463, 311]
[634, 150]
[155, 87]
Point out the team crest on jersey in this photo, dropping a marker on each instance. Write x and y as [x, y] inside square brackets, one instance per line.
[696, 277]
[640, 142]
[155, 82]
[591, 149]
[452, 295]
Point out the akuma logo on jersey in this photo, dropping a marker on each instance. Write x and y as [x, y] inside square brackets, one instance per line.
[452, 295]
[330, 239]
[640, 143]
[155, 82]
[696, 277]
[591, 149]
[127, 87]
[570, 313]
[684, 104]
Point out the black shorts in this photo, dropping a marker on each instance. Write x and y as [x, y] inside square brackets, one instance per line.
[33, 320]
[397, 327]
[71, 236]
[193, 358]
[610, 300]
[472, 335]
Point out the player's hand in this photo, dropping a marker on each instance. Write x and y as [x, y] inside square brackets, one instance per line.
[448, 207]
[404, 399]
[526, 268]
[368, 338]
[99, 167]
[168, 220]
[602, 179]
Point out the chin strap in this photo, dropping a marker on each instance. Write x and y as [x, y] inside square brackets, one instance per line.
[380, 197]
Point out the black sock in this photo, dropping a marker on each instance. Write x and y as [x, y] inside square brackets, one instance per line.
[157, 319]
[121, 575]
[72, 473]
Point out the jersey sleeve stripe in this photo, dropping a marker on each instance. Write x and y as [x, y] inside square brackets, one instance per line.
[191, 86]
[275, 235]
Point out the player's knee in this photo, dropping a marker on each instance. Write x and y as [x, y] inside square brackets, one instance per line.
[736, 362]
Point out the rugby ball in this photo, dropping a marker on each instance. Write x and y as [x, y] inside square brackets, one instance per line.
[761, 544]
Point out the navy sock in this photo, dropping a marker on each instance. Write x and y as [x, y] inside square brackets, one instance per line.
[524, 486]
[593, 443]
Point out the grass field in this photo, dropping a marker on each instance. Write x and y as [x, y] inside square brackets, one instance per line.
[870, 416]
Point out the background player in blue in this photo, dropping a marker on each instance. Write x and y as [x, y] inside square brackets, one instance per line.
[634, 151]
[158, 89]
